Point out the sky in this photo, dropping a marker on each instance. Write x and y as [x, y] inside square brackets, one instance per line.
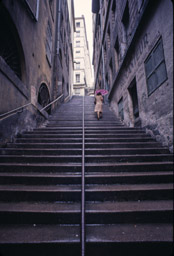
[83, 7]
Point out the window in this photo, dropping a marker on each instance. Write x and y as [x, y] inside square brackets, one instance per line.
[60, 56]
[125, 22]
[155, 68]
[108, 37]
[77, 91]
[107, 85]
[111, 70]
[116, 47]
[120, 109]
[49, 43]
[113, 12]
[78, 24]
[134, 97]
[126, 17]
[61, 26]
[77, 78]
[78, 33]
[77, 65]
[10, 43]
[67, 88]
[77, 43]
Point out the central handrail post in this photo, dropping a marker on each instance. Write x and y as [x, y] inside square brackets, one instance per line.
[83, 235]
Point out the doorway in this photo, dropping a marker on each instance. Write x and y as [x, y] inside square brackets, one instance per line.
[134, 98]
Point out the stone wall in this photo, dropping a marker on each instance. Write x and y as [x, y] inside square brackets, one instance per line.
[155, 110]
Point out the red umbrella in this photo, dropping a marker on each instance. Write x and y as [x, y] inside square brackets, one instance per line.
[102, 91]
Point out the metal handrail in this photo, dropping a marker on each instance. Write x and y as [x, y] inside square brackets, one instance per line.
[52, 102]
[15, 110]
[83, 236]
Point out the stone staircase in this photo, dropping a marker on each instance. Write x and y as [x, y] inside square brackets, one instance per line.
[128, 188]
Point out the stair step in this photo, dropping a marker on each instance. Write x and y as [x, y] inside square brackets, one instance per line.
[93, 192]
[118, 233]
[40, 192]
[87, 130]
[39, 213]
[46, 167]
[40, 178]
[96, 212]
[40, 151]
[89, 167]
[149, 144]
[45, 145]
[129, 167]
[45, 140]
[33, 234]
[88, 158]
[128, 178]
[76, 151]
[47, 136]
[91, 207]
[70, 140]
[125, 192]
[91, 178]
[129, 233]
[40, 159]
[79, 135]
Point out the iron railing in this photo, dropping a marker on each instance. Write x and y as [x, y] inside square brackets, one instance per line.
[16, 110]
[83, 236]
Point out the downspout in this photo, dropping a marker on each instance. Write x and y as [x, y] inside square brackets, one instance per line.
[58, 27]
[55, 64]
[104, 83]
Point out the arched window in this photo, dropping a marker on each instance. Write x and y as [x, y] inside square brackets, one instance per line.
[44, 97]
[10, 47]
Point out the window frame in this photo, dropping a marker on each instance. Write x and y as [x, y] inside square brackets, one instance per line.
[49, 43]
[121, 111]
[78, 33]
[78, 65]
[77, 43]
[77, 78]
[155, 67]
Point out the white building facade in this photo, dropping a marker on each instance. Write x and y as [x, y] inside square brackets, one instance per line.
[83, 81]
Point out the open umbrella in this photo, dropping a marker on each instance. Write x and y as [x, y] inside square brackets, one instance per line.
[102, 91]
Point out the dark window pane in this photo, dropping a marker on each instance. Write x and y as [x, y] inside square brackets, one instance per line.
[152, 82]
[120, 109]
[155, 68]
[161, 73]
[149, 66]
[158, 54]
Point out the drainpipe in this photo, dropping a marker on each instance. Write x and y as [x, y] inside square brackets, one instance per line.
[58, 26]
[56, 49]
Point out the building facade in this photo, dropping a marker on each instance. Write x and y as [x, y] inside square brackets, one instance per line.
[83, 82]
[65, 41]
[133, 59]
[36, 61]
